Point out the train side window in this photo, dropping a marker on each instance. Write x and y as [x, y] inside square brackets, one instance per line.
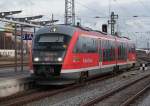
[105, 51]
[133, 49]
[122, 51]
[86, 45]
[119, 50]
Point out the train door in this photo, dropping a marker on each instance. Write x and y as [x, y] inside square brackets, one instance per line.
[100, 52]
[116, 51]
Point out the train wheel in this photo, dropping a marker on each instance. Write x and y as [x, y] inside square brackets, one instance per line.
[115, 70]
[133, 65]
[83, 76]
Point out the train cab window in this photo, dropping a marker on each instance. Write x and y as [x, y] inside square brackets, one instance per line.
[50, 41]
[86, 45]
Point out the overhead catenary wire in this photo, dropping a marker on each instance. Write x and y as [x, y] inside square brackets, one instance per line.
[128, 12]
[91, 9]
[144, 6]
[123, 9]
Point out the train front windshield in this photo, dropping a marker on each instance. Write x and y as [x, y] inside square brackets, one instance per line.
[50, 47]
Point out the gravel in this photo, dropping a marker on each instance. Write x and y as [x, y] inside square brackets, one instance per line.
[82, 94]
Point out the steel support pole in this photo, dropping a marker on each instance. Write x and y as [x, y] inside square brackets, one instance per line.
[4, 43]
[69, 12]
[112, 22]
[21, 48]
[73, 12]
[34, 30]
[26, 47]
[15, 34]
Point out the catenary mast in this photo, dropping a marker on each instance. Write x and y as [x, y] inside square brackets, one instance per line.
[69, 12]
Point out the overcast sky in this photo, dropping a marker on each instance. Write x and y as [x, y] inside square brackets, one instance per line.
[88, 9]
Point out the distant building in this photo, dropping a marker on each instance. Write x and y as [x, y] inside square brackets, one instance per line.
[7, 41]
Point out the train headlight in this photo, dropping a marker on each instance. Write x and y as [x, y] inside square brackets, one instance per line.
[59, 59]
[65, 46]
[36, 59]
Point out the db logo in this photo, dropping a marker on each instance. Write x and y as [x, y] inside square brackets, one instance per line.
[87, 60]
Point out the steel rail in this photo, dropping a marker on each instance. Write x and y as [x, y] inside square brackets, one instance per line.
[11, 65]
[40, 95]
[134, 97]
[111, 92]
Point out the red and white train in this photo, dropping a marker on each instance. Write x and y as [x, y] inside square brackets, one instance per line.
[67, 53]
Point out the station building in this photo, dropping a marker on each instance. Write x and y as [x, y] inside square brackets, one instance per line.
[7, 41]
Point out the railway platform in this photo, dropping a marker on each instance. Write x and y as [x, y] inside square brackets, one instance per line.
[12, 82]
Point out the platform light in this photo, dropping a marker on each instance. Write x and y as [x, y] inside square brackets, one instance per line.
[44, 22]
[10, 13]
[65, 46]
[59, 59]
[26, 19]
[36, 59]
[53, 29]
[3, 14]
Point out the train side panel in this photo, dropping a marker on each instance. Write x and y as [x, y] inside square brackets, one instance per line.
[79, 58]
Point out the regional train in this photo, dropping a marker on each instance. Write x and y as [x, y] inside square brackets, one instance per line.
[65, 54]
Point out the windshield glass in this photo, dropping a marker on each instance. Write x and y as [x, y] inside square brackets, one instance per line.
[51, 42]
[46, 38]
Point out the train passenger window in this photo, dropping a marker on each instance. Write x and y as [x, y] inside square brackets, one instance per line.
[131, 48]
[86, 45]
[108, 50]
[122, 51]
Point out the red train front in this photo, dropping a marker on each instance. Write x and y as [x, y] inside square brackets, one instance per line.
[66, 53]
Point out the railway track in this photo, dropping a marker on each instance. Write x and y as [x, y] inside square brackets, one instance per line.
[25, 98]
[11, 65]
[135, 96]
[143, 57]
[120, 96]
[36, 95]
